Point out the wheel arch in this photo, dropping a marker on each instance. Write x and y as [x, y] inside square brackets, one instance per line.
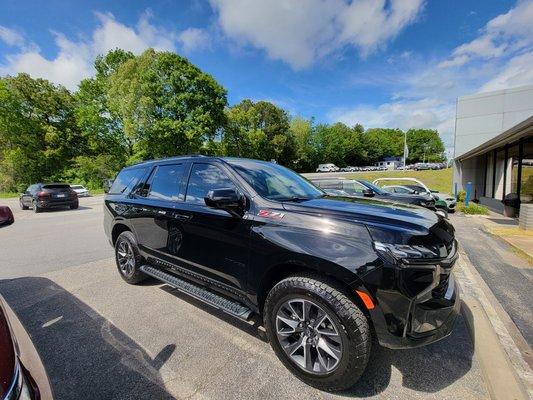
[284, 270]
[117, 230]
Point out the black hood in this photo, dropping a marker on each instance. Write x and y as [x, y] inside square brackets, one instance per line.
[391, 221]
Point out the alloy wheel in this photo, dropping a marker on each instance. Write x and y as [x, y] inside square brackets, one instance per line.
[309, 336]
[126, 257]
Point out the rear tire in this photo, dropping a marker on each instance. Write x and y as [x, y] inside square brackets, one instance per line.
[338, 348]
[74, 206]
[36, 208]
[128, 258]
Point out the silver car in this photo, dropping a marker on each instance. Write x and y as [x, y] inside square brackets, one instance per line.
[82, 191]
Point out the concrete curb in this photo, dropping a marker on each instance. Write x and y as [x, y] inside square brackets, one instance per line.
[502, 381]
[501, 377]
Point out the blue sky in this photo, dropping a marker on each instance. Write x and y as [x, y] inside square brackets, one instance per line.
[379, 63]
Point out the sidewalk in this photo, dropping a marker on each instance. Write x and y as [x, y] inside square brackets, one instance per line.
[508, 230]
[497, 284]
[509, 276]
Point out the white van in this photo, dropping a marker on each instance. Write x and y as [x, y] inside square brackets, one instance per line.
[327, 168]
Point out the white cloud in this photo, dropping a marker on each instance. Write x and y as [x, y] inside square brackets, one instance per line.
[74, 59]
[193, 39]
[517, 72]
[11, 37]
[300, 32]
[507, 32]
[500, 57]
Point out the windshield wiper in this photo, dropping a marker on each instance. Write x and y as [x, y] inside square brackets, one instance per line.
[296, 198]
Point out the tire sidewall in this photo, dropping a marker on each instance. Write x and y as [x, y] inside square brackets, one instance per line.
[137, 275]
[350, 339]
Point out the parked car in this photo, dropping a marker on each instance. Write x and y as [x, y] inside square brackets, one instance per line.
[22, 375]
[40, 196]
[443, 201]
[327, 168]
[327, 274]
[81, 190]
[362, 188]
[6, 216]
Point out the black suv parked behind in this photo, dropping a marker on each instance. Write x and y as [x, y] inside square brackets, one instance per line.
[41, 196]
[326, 273]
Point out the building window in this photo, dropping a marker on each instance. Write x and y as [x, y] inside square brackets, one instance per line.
[489, 174]
[526, 187]
[512, 172]
[499, 171]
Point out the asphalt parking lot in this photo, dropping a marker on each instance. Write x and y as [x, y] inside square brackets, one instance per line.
[100, 338]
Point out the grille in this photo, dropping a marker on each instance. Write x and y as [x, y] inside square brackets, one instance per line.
[442, 287]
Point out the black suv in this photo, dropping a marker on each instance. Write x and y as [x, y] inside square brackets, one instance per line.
[40, 196]
[327, 274]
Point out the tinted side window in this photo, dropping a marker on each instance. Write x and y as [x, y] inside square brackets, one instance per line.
[353, 187]
[126, 180]
[205, 177]
[166, 181]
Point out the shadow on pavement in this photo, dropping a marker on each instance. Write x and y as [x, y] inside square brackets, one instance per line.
[86, 357]
[427, 369]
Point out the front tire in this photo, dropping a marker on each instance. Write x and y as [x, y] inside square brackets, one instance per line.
[128, 258]
[317, 332]
[22, 206]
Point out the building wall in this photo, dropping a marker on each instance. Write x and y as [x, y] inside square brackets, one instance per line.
[481, 117]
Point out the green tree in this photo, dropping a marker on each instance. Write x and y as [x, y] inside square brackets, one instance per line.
[339, 144]
[100, 127]
[382, 142]
[166, 105]
[425, 144]
[305, 156]
[38, 132]
[258, 130]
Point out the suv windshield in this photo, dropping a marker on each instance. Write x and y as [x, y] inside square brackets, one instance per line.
[375, 188]
[275, 182]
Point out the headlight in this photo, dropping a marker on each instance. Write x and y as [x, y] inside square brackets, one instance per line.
[407, 253]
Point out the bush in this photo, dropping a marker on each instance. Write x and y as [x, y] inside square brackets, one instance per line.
[461, 196]
[473, 209]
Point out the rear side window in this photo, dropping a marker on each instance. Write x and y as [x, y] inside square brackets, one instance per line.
[56, 186]
[203, 178]
[353, 187]
[126, 180]
[165, 182]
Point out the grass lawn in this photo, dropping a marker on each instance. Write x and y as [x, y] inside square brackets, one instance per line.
[440, 180]
[7, 195]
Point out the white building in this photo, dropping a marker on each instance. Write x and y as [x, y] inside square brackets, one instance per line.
[390, 162]
[494, 146]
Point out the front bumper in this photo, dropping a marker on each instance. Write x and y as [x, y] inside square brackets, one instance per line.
[428, 322]
[410, 314]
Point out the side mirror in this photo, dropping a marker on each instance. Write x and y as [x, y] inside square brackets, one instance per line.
[227, 199]
[368, 193]
[442, 213]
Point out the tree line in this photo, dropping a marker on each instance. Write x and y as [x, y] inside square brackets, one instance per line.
[156, 105]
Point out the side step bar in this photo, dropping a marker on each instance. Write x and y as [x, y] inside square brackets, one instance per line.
[231, 307]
